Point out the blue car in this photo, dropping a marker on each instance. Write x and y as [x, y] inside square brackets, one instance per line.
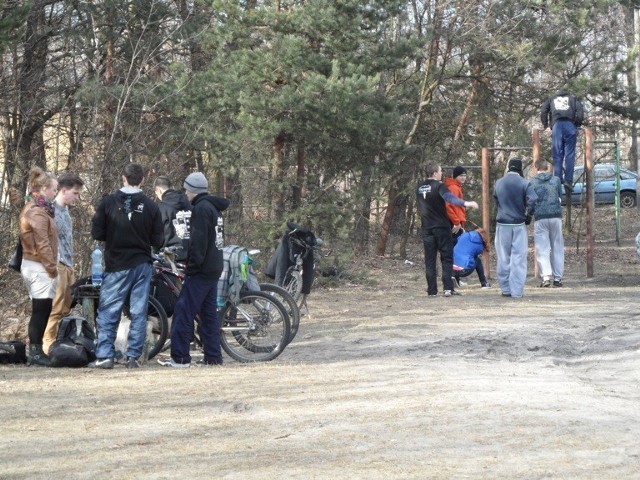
[604, 185]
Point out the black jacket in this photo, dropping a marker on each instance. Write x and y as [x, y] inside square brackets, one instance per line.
[206, 237]
[563, 106]
[130, 224]
[171, 203]
[431, 196]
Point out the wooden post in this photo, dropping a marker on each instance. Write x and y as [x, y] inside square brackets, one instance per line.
[588, 179]
[486, 205]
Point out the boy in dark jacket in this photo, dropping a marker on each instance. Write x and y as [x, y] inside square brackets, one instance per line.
[564, 114]
[171, 202]
[204, 267]
[130, 224]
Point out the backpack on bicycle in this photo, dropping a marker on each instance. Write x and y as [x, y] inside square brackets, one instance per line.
[74, 345]
[235, 274]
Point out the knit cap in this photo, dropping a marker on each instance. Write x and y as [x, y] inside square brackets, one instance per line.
[196, 183]
[515, 165]
[459, 171]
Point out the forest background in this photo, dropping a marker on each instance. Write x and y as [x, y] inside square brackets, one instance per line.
[321, 112]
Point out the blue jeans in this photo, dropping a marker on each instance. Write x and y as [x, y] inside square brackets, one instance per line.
[197, 297]
[116, 289]
[438, 240]
[563, 148]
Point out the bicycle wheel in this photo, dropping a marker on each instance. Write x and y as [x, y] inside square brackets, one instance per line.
[159, 331]
[288, 302]
[293, 283]
[256, 329]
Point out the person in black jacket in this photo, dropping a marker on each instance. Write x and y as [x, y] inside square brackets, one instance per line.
[170, 203]
[565, 114]
[204, 267]
[130, 224]
[431, 196]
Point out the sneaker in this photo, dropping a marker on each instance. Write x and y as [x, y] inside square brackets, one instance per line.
[568, 187]
[461, 283]
[106, 363]
[451, 293]
[545, 284]
[486, 285]
[205, 363]
[169, 362]
[504, 294]
[133, 362]
[557, 283]
[433, 295]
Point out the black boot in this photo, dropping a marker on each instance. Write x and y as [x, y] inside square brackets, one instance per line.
[37, 357]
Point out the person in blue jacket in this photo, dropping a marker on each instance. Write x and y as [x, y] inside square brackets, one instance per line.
[466, 255]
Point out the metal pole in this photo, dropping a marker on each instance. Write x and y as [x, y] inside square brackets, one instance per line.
[617, 199]
[588, 174]
[486, 205]
[536, 156]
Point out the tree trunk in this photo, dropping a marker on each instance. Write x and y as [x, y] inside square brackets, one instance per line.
[277, 195]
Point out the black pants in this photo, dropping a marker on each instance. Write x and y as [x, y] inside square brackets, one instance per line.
[438, 240]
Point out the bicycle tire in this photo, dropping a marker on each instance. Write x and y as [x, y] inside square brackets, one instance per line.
[288, 302]
[257, 329]
[160, 326]
[293, 283]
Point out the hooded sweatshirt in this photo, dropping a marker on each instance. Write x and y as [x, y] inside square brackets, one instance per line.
[457, 215]
[206, 237]
[171, 203]
[130, 224]
[549, 191]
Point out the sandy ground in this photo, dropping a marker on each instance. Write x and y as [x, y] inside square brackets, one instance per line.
[380, 383]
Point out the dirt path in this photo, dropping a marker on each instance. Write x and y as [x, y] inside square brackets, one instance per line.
[379, 384]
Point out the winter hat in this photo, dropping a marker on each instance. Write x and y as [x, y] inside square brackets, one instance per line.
[196, 183]
[515, 165]
[459, 171]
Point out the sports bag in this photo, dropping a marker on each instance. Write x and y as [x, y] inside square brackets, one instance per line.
[74, 345]
[13, 352]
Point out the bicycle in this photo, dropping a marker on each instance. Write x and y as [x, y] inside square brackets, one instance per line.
[88, 295]
[256, 328]
[304, 248]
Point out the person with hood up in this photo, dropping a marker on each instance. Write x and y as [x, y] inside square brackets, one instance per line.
[564, 114]
[130, 224]
[466, 255]
[170, 203]
[547, 229]
[204, 267]
[516, 202]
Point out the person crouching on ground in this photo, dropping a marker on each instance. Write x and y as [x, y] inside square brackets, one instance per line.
[466, 255]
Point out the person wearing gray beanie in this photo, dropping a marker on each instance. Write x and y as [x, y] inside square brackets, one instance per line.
[196, 183]
[204, 268]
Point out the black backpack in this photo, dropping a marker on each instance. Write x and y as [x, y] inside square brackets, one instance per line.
[75, 344]
[13, 352]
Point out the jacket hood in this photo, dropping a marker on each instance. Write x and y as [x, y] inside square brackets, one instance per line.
[220, 203]
[451, 181]
[544, 176]
[135, 197]
[176, 200]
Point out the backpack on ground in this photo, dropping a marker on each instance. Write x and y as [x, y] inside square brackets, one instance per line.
[13, 352]
[74, 345]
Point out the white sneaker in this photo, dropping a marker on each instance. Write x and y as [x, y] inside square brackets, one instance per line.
[169, 362]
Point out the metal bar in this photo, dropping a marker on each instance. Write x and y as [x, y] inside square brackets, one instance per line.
[588, 172]
[486, 205]
[617, 199]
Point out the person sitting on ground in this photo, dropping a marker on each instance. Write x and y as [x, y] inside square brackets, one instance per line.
[466, 255]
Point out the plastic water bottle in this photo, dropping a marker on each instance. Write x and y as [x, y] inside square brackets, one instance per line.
[96, 266]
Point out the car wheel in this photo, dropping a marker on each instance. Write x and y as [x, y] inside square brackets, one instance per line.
[627, 199]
